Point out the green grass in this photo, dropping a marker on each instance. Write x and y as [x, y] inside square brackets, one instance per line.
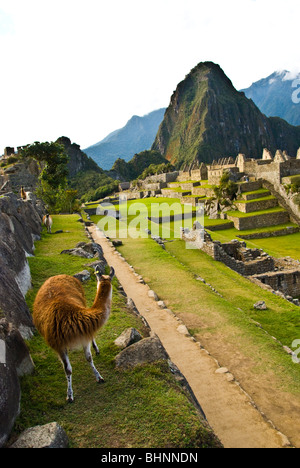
[258, 192]
[256, 200]
[231, 316]
[239, 214]
[143, 407]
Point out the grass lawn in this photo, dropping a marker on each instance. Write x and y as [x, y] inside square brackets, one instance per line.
[232, 314]
[143, 407]
[221, 320]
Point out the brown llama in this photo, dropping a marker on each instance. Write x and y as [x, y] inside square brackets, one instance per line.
[47, 221]
[23, 193]
[62, 318]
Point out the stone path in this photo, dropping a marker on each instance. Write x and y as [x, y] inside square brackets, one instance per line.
[229, 410]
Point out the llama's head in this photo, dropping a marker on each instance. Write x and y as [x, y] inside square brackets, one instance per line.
[101, 277]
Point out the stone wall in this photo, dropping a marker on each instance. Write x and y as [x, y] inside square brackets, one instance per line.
[270, 170]
[286, 281]
[20, 226]
[235, 255]
[257, 205]
[215, 173]
[230, 254]
[259, 221]
[22, 174]
[164, 178]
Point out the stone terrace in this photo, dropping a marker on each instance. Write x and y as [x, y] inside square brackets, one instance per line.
[257, 206]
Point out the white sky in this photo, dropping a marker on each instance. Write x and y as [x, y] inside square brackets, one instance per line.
[82, 68]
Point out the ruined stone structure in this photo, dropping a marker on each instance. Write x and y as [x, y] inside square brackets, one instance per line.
[8, 151]
[272, 274]
[261, 188]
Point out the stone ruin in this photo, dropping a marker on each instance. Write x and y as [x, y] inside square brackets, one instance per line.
[272, 168]
[280, 276]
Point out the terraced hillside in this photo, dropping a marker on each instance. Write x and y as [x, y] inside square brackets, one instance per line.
[256, 207]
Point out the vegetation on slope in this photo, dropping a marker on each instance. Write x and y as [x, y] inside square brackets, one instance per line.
[130, 170]
[143, 407]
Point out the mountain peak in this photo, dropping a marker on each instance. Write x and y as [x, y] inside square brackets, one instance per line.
[209, 119]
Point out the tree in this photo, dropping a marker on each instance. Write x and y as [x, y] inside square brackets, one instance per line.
[226, 192]
[52, 159]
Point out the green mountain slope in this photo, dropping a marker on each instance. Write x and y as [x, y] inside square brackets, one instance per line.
[209, 119]
[130, 170]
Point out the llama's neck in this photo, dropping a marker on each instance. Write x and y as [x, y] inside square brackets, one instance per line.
[102, 302]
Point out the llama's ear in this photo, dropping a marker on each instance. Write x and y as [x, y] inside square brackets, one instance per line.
[98, 273]
[112, 273]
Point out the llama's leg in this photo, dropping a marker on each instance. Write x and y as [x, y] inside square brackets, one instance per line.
[88, 355]
[68, 371]
[95, 347]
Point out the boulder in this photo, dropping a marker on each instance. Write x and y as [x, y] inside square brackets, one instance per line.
[153, 295]
[9, 398]
[48, 436]
[25, 219]
[127, 338]
[16, 350]
[77, 252]
[12, 302]
[15, 361]
[145, 351]
[117, 243]
[101, 264]
[86, 250]
[83, 276]
[260, 305]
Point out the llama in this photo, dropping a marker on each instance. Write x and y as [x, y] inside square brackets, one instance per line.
[23, 193]
[47, 220]
[62, 318]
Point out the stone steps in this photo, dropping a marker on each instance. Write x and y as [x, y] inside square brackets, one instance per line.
[203, 191]
[250, 186]
[175, 193]
[258, 208]
[259, 219]
[258, 204]
[256, 194]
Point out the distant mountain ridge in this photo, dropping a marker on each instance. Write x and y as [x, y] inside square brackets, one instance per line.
[136, 136]
[277, 95]
[208, 119]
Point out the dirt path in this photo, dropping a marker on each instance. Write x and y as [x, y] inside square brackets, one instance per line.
[229, 410]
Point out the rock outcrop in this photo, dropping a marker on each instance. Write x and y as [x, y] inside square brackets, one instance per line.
[20, 226]
[48, 436]
[78, 160]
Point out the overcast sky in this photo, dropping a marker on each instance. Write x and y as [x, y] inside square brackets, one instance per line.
[82, 68]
